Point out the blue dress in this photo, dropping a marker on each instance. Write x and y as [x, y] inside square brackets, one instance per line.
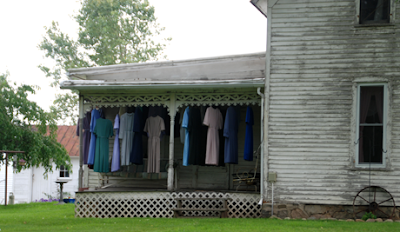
[116, 161]
[248, 141]
[136, 156]
[185, 124]
[231, 127]
[92, 147]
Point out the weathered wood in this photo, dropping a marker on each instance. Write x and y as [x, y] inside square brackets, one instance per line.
[222, 211]
[318, 55]
[200, 209]
[203, 198]
[171, 172]
[194, 176]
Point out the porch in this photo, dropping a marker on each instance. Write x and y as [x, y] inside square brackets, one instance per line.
[133, 191]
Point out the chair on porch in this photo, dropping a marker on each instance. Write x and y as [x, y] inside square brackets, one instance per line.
[248, 178]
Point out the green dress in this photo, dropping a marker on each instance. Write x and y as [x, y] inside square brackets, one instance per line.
[103, 130]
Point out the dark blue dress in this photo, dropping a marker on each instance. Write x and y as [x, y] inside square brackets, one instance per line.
[231, 126]
[136, 156]
[248, 141]
[86, 135]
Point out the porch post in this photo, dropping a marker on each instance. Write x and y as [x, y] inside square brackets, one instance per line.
[172, 113]
[80, 179]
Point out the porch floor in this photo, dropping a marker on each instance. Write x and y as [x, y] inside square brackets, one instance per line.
[132, 189]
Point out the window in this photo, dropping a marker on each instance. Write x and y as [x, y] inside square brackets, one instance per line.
[63, 172]
[371, 121]
[374, 11]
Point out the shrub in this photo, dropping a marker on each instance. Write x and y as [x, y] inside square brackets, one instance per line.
[368, 215]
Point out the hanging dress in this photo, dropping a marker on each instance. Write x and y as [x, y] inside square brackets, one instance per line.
[213, 119]
[136, 156]
[248, 140]
[181, 129]
[86, 135]
[185, 124]
[153, 127]
[116, 160]
[103, 130]
[92, 148]
[231, 136]
[126, 134]
[196, 157]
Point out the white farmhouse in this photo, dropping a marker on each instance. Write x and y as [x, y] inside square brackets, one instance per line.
[30, 185]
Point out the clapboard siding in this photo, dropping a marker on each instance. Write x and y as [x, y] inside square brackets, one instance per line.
[317, 54]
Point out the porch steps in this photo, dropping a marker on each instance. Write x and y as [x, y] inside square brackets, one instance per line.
[222, 212]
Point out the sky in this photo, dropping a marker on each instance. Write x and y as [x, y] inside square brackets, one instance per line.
[198, 29]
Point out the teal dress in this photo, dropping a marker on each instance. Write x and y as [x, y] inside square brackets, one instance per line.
[103, 130]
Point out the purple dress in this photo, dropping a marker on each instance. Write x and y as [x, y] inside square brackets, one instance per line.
[92, 148]
[116, 162]
[86, 135]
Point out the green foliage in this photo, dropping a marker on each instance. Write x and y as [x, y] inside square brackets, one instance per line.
[110, 32]
[27, 127]
[118, 31]
[368, 215]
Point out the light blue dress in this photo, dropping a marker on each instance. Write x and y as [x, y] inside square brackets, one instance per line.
[116, 161]
[185, 124]
[126, 134]
[92, 147]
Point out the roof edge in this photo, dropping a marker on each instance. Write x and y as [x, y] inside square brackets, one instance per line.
[153, 64]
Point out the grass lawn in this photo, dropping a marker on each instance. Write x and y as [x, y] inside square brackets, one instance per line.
[51, 217]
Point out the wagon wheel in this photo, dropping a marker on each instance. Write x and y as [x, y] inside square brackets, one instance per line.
[374, 199]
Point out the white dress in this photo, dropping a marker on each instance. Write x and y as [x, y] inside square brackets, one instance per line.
[213, 119]
[126, 134]
[153, 127]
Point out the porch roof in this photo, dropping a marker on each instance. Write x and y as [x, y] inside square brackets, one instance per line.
[223, 72]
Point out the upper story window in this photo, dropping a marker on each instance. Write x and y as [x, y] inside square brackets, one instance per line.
[371, 129]
[374, 11]
[63, 172]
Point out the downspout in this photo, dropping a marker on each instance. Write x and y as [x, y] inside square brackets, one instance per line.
[262, 147]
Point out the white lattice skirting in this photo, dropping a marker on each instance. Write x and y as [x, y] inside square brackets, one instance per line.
[160, 204]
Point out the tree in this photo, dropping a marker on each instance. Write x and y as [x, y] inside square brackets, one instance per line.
[110, 32]
[24, 126]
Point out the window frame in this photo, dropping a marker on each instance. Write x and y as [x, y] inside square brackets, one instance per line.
[392, 10]
[384, 126]
[63, 170]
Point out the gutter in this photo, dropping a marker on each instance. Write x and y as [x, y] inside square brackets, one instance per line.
[100, 84]
[262, 146]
